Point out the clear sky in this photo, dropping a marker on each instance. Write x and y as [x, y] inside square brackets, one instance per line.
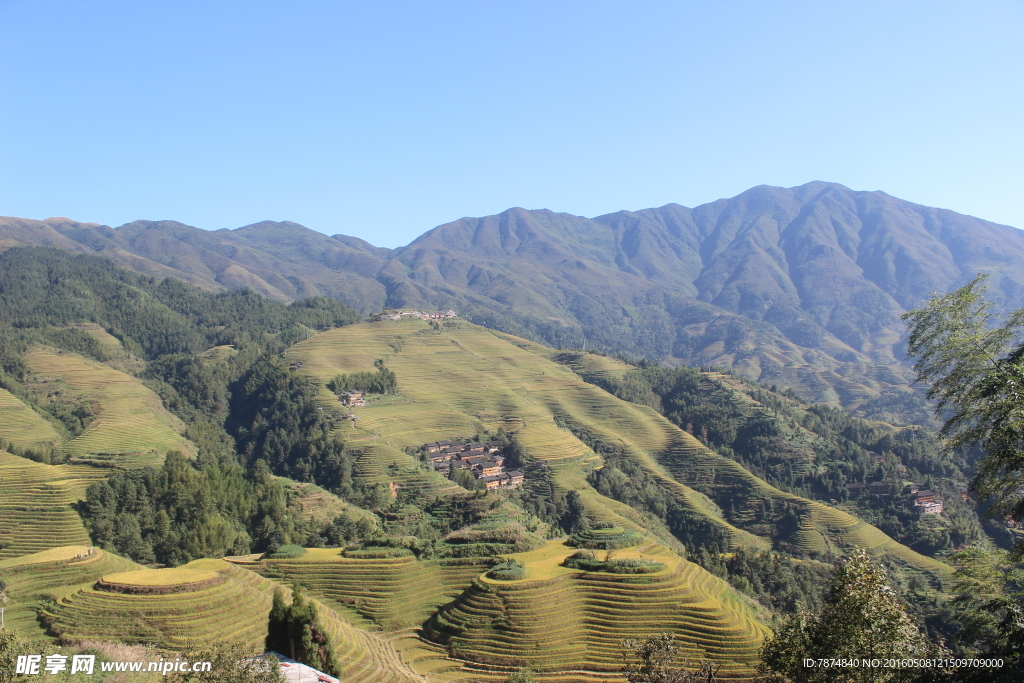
[383, 119]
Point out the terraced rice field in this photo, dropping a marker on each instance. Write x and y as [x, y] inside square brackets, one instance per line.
[22, 426]
[467, 379]
[559, 616]
[388, 594]
[132, 428]
[822, 527]
[35, 579]
[206, 601]
[35, 504]
[232, 611]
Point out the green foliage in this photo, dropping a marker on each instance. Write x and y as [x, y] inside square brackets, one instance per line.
[809, 450]
[521, 676]
[989, 607]
[509, 570]
[611, 538]
[343, 529]
[297, 631]
[42, 288]
[10, 648]
[466, 480]
[779, 582]
[183, 511]
[229, 665]
[655, 659]
[383, 381]
[862, 618]
[975, 365]
[275, 418]
[287, 552]
[585, 560]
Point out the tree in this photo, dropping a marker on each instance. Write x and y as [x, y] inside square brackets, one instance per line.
[9, 648]
[277, 624]
[654, 660]
[862, 618]
[989, 609]
[976, 370]
[297, 631]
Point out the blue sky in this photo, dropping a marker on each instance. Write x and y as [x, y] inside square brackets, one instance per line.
[384, 119]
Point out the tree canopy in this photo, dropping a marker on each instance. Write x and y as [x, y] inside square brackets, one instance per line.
[862, 618]
[975, 365]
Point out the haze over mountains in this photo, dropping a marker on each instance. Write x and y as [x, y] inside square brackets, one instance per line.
[801, 286]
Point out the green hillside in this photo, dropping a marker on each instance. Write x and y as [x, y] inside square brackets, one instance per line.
[456, 380]
[462, 379]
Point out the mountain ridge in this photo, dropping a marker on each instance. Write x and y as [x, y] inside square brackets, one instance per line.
[802, 286]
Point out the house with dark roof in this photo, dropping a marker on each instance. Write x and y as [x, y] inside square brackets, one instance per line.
[880, 489]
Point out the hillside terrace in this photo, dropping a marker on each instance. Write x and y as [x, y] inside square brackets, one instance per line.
[481, 459]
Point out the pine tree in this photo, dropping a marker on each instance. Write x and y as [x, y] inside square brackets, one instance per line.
[277, 624]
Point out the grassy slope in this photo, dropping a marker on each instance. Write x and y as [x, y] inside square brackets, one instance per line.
[132, 428]
[467, 378]
[35, 504]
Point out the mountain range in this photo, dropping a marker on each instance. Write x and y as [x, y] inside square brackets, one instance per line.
[802, 286]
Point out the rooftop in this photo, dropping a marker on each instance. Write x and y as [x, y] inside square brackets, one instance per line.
[297, 672]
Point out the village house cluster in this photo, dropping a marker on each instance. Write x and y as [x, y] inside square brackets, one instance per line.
[481, 459]
[916, 497]
[399, 315]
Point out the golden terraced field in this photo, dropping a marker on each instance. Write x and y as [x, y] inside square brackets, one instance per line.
[201, 602]
[35, 504]
[22, 426]
[132, 427]
[468, 379]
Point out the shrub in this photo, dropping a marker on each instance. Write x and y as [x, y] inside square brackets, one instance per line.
[605, 538]
[510, 570]
[376, 553]
[585, 560]
[287, 552]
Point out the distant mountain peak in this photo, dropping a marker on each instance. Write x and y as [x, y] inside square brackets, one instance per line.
[803, 286]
